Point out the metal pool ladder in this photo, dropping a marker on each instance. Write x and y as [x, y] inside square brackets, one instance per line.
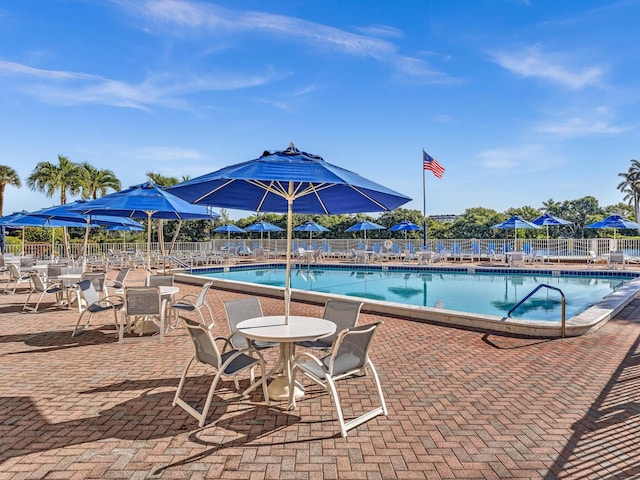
[543, 285]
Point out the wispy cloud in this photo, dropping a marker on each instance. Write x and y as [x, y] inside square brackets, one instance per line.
[530, 157]
[166, 154]
[179, 17]
[573, 127]
[74, 88]
[532, 62]
[12, 68]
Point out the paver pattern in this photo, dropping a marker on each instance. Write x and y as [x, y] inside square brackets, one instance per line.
[462, 404]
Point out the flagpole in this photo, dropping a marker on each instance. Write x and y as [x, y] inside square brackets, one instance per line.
[424, 206]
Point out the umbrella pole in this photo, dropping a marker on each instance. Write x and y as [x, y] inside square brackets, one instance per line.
[287, 283]
[149, 240]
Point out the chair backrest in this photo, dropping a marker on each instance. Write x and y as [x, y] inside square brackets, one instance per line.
[344, 313]
[237, 311]
[142, 301]
[54, 270]
[121, 277]
[38, 282]
[97, 278]
[616, 257]
[160, 280]
[27, 261]
[203, 294]
[14, 271]
[88, 291]
[350, 349]
[205, 348]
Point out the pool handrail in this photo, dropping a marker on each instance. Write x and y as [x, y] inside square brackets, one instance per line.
[532, 292]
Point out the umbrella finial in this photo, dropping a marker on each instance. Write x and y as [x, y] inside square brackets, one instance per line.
[291, 145]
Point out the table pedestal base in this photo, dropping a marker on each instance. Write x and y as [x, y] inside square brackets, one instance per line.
[279, 389]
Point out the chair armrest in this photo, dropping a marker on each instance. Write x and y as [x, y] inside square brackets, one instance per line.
[311, 357]
[184, 297]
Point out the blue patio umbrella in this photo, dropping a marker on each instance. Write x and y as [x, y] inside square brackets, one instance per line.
[4, 227]
[548, 219]
[262, 227]
[26, 219]
[311, 227]
[363, 226]
[124, 229]
[405, 226]
[616, 222]
[289, 181]
[229, 229]
[149, 201]
[68, 212]
[515, 222]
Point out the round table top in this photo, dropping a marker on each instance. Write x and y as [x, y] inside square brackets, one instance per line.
[273, 328]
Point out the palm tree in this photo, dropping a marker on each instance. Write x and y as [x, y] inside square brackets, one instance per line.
[8, 176]
[48, 178]
[95, 182]
[630, 186]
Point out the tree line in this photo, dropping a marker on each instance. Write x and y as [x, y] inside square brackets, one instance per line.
[69, 179]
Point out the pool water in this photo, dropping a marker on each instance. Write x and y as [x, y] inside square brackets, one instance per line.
[480, 293]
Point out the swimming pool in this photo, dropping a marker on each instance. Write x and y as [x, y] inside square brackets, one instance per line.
[477, 291]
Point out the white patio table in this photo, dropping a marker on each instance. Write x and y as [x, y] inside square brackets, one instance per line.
[273, 329]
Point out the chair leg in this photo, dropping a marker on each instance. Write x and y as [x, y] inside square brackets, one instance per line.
[207, 403]
[182, 379]
[330, 385]
[365, 417]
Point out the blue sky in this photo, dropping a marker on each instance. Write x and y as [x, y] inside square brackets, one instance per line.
[521, 101]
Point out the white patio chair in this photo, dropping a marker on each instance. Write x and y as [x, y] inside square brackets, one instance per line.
[41, 287]
[161, 281]
[516, 258]
[592, 257]
[617, 258]
[193, 303]
[496, 257]
[226, 365]
[90, 303]
[16, 278]
[349, 357]
[243, 309]
[118, 282]
[143, 306]
[99, 281]
[344, 313]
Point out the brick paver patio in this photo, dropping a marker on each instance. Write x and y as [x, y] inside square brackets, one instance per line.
[462, 404]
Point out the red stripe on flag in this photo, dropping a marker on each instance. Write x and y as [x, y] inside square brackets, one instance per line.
[430, 163]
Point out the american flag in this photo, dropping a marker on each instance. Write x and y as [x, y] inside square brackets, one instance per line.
[432, 164]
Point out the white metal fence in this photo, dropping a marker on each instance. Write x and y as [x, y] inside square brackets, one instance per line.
[553, 248]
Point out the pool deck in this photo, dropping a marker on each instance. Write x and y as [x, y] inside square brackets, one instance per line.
[462, 404]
